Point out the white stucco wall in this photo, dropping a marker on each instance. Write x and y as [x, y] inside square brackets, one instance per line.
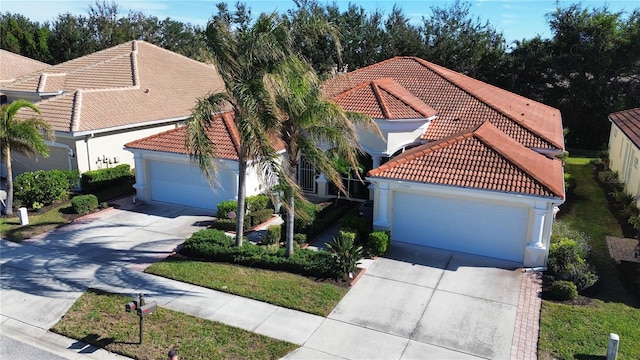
[111, 145]
[624, 158]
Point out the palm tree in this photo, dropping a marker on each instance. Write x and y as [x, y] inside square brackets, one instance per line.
[242, 57]
[311, 124]
[22, 136]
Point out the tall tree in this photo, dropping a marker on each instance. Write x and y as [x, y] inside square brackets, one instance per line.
[23, 137]
[242, 58]
[311, 124]
[458, 41]
[70, 38]
[22, 36]
[403, 38]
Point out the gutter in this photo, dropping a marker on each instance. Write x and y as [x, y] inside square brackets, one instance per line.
[129, 126]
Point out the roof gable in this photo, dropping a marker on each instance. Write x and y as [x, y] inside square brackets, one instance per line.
[482, 158]
[628, 121]
[222, 132]
[384, 99]
[461, 102]
[127, 85]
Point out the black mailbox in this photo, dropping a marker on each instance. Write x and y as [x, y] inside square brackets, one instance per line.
[147, 309]
[131, 306]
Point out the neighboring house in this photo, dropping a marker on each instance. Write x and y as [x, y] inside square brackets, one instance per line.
[165, 173]
[462, 165]
[12, 67]
[99, 102]
[624, 149]
[480, 176]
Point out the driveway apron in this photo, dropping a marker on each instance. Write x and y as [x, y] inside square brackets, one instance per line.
[425, 303]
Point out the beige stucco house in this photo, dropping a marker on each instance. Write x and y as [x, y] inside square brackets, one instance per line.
[99, 102]
[624, 149]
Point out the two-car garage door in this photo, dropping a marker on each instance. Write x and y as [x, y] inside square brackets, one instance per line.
[184, 184]
[460, 224]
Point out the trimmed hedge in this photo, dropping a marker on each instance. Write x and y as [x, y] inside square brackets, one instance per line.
[95, 180]
[84, 204]
[378, 242]
[260, 216]
[224, 224]
[256, 202]
[358, 225]
[570, 183]
[273, 235]
[41, 188]
[226, 207]
[563, 290]
[215, 245]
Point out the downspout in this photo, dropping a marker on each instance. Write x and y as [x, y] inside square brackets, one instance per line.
[86, 141]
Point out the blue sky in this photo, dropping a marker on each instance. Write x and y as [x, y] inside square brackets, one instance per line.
[517, 19]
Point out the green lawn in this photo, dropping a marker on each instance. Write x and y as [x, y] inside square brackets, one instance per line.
[99, 319]
[39, 223]
[574, 331]
[279, 288]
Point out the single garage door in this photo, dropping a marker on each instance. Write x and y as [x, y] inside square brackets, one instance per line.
[463, 225]
[184, 184]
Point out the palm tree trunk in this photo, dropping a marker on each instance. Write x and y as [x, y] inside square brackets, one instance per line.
[242, 170]
[9, 203]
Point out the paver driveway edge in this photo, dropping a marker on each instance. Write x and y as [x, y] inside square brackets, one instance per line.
[527, 327]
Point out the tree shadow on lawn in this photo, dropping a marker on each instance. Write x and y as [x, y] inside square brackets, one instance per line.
[589, 357]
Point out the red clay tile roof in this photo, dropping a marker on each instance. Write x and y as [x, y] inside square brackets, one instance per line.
[482, 158]
[629, 123]
[460, 102]
[13, 66]
[384, 99]
[132, 83]
[222, 133]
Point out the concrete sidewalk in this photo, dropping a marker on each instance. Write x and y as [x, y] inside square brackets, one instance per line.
[51, 271]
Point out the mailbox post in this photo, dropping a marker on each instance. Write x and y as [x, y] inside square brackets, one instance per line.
[142, 309]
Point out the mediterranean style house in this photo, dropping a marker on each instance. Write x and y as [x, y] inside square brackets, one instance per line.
[624, 149]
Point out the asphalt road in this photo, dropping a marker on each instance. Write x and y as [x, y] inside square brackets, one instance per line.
[17, 350]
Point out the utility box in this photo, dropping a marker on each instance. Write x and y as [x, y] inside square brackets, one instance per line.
[23, 215]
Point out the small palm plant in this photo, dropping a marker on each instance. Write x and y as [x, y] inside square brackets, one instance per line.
[345, 253]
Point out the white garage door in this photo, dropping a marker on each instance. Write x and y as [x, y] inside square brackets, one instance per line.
[468, 226]
[184, 184]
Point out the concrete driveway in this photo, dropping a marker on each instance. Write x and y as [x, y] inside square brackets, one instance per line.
[423, 303]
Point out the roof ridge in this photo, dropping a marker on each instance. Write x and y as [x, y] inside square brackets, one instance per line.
[351, 90]
[487, 133]
[389, 91]
[383, 104]
[135, 77]
[443, 72]
[42, 81]
[76, 108]
[230, 124]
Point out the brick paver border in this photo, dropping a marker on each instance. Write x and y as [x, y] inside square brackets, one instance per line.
[524, 345]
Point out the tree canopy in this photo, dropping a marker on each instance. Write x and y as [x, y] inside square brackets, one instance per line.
[588, 68]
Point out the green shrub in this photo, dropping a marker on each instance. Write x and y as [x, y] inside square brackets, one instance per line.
[260, 216]
[570, 183]
[215, 245]
[567, 262]
[346, 253]
[226, 207]
[224, 224]
[273, 235]
[378, 242]
[96, 180]
[84, 204]
[41, 187]
[256, 202]
[610, 178]
[305, 215]
[563, 290]
[357, 224]
[603, 156]
[300, 238]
